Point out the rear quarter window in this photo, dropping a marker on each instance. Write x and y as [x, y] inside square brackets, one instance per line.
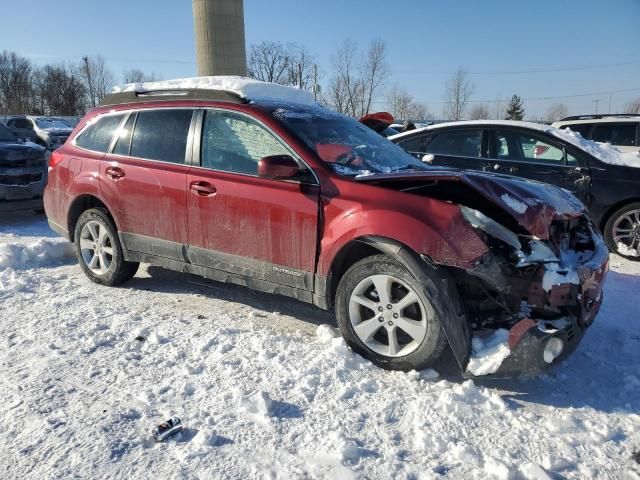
[97, 136]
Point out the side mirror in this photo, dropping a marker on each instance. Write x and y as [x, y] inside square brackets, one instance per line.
[428, 158]
[278, 166]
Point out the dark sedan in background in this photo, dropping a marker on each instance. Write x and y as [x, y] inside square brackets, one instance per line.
[23, 173]
[607, 181]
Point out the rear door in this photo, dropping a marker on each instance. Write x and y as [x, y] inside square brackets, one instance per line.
[260, 228]
[527, 154]
[144, 180]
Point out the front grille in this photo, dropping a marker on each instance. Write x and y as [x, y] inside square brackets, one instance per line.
[20, 180]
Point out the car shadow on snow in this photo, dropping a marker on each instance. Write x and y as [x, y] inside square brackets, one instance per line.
[167, 281]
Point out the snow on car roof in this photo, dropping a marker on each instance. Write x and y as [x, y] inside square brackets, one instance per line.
[604, 152]
[244, 87]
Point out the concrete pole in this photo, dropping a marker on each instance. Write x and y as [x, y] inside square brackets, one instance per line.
[219, 33]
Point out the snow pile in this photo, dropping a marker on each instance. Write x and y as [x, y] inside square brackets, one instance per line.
[555, 274]
[602, 151]
[628, 251]
[11, 281]
[38, 252]
[513, 203]
[246, 88]
[488, 353]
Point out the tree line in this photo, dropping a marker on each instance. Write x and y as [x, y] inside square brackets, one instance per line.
[358, 83]
[64, 88]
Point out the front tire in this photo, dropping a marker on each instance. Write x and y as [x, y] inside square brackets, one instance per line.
[388, 317]
[99, 251]
[622, 231]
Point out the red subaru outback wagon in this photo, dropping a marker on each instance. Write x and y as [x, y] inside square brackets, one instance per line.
[254, 184]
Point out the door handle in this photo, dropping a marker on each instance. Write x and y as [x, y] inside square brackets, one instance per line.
[513, 170]
[203, 189]
[114, 172]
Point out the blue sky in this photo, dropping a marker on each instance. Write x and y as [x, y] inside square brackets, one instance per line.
[426, 40]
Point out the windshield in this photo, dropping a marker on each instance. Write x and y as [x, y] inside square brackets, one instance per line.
[6, 135]
[52, 123]
[347, 146]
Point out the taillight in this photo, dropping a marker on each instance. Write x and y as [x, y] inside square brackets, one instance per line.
[539, 150]
[54, 159]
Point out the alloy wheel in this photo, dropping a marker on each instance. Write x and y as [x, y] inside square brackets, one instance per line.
[388, 316]
[96, 247]
[626, 231]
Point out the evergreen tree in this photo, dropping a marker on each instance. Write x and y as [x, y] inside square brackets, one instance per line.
[515, 109]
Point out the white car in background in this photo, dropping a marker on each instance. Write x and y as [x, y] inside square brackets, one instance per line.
[621, 131]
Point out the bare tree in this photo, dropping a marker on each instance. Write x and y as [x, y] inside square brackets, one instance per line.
[60, 90]
[16, 83]
[633, 107]
[373, 71]
[96, 77]
[480, 111]
[268, 61]
[458, 91]
[138, 76]
[556, 112]
[403, 106]
[356, 83]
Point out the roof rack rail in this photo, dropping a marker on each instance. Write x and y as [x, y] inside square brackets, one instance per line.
[599, 116]
[120, 98]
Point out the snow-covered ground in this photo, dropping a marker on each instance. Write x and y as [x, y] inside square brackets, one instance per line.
[87, 371]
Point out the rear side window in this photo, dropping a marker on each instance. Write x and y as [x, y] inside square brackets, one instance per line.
[582, 128]
[623, 134]
[97, 136]
[161, 135]
[461, 143]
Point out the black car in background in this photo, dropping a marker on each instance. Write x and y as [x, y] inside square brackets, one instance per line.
[607, 181]
[23, 173]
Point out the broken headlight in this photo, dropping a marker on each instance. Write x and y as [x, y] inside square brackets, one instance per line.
[480, 221]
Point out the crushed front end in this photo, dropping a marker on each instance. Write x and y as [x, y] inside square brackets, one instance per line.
[544, 292]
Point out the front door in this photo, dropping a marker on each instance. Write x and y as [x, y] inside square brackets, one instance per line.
[257, 228]
[529, 155]
[144, 180]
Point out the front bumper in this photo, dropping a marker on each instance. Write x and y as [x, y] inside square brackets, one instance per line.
[529, 337]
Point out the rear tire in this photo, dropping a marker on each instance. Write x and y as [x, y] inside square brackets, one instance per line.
[623, 226]
[396, 330]
[99, 251]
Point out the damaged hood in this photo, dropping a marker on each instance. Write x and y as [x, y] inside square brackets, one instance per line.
[533, 205]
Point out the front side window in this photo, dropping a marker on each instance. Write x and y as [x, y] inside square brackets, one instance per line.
[459, 143]
[615, 134]
[415, 144]
[161, 135]
[510, 145]
[97, 135]
[235, 143]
